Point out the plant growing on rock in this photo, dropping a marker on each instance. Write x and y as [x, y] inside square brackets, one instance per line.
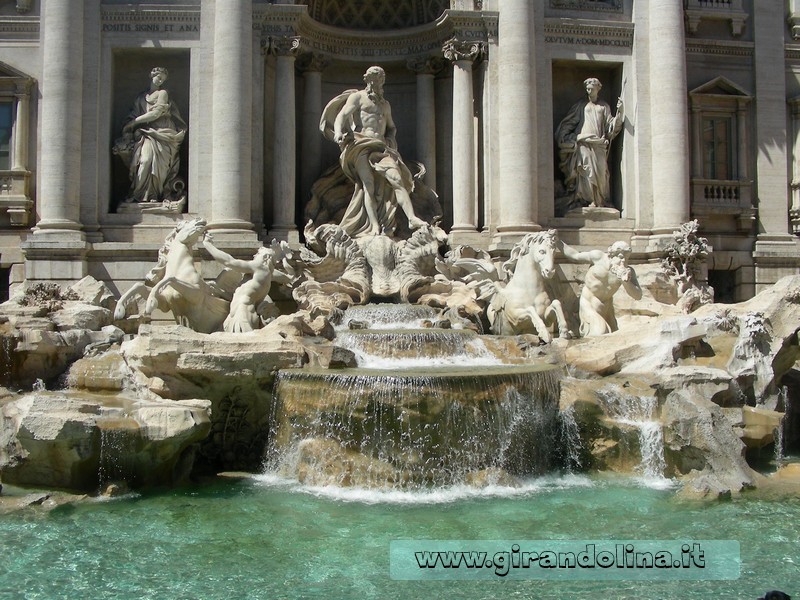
[681, 262]
[49, 296]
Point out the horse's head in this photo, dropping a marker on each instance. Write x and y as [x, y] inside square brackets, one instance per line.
[188, 232]
[541, 247]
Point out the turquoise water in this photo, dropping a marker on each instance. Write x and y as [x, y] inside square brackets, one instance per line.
[267, 538]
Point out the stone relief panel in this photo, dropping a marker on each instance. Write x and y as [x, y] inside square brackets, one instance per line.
[149, 132]
[594, 5]
[377, 14]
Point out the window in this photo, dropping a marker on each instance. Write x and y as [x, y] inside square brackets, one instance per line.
[15, 177]
[6, 127]
[721, 157]
[717, 148]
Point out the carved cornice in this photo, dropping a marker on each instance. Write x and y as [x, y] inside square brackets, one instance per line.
[275, 20]
[456, 50]
[19, 28]
[588, 33]
[169, 19]
[720, 48]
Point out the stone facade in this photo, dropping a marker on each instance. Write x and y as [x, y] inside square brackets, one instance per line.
[711, 126]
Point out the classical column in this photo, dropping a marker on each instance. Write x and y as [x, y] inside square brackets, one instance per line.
[231, 117]
[311, 65]
[23, 95]
[669, 110]
[426, 70]
[465, 202]
[284, 166]
[61, 118]
[518, 172]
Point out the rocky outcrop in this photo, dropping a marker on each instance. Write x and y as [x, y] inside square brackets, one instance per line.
[640, 349]
[45, 328]
[766, 345]
[235, 372]
[78, 441]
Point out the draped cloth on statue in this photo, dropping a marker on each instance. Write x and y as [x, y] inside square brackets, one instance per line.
[583, 137]
[381, 158]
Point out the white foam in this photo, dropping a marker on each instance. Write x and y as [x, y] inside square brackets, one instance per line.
[442, 495]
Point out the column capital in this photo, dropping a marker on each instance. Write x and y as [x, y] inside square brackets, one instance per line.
[282, 46]
[312, 62]
[455, 50]
[429, 65]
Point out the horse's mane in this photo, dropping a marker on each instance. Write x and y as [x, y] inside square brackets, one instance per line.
[523, 247]
[156, 274]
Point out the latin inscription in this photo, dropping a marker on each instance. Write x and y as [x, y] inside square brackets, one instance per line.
[571, 40]
[151, 28]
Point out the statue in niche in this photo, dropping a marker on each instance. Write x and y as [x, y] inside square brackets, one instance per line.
[608, 272]
[251, 305]
[149, 147]
[360, 122]
[583, 138]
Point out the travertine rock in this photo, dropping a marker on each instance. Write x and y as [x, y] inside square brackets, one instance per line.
[55, 439]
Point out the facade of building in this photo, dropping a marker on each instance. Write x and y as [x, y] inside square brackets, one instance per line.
[709, 125]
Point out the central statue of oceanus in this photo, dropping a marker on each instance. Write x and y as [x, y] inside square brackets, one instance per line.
[361, 123]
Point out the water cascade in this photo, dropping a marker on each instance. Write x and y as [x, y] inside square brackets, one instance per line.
[424, 407]
[639, 412]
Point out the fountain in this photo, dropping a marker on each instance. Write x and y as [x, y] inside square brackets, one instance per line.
[424, 407]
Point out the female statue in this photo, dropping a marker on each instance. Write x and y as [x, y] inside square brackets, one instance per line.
[150, 143]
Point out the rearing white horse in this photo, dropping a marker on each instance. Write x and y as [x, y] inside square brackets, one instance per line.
[523, 305]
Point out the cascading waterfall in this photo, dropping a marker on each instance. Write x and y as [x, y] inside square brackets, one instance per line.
[389, 316]
[639, 412]
[427, 427]
[570, 440]
[780, 432]
[404, 349]
[416, 412]
[118, 436]
[8, 345]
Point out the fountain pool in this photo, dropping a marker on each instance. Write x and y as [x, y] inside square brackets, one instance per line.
[264, 537]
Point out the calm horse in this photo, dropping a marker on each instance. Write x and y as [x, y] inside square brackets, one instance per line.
[524, 304]
[176, 285]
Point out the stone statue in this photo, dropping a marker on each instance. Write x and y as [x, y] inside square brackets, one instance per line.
[176, 285]
[583, 137]
[608, 272]
[360, 121]
[251, 304]
[149, 147]
[519, 298]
